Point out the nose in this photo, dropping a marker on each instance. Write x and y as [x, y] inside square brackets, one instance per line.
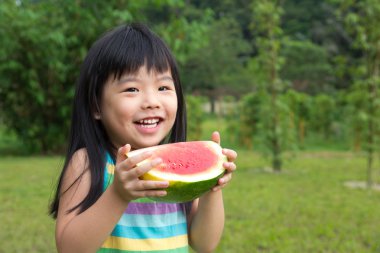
[150, 100]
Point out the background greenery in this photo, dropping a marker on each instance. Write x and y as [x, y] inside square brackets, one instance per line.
[309, 68]
[292, 85]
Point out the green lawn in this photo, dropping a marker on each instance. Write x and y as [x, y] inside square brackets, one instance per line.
[306, 208]
[26, 185]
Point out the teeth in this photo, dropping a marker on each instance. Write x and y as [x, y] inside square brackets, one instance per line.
[149, 126]
[149, 121]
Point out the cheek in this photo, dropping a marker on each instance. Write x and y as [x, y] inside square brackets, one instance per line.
[174, 106]
[116, 112]
[124, 107]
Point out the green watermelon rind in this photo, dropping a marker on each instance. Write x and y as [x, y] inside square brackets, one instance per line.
[179, 192]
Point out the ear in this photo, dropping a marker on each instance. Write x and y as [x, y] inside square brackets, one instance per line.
[97, 115]
[96, 111]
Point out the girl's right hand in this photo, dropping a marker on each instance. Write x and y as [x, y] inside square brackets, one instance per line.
[127, 183]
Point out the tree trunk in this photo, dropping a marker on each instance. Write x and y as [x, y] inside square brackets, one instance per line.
[276, 148]
[357, 139]
[372, 126]
[301, 131]
[212, 104]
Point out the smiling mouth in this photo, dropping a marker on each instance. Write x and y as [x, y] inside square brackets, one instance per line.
[149, 122]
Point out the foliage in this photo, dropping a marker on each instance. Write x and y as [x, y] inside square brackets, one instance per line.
[284, 132]
[306, 66]
[26, 83]
[40, 63]
[224, 48]
[215, 68]
[300, 109]
[362, 19]
[322, 114]
[249, 118]
[44, 45]
[267, 23]
[195, 116]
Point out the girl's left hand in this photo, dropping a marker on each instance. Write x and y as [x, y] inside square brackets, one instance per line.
[229, 166]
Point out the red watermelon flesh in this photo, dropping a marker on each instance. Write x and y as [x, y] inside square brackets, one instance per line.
[184, 158]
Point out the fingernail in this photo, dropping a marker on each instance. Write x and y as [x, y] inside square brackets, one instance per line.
[156, 161]
[148, 153]
[163, 193]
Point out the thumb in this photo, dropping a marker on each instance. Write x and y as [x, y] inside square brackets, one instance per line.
[215, 137]
[122, 153]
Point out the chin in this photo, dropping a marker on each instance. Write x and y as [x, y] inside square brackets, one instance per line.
[146, 144]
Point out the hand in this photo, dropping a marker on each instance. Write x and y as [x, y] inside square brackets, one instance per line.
[229, 166]
[127, 183]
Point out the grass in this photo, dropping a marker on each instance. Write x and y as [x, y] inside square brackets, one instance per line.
[26, 184]
[306, 208]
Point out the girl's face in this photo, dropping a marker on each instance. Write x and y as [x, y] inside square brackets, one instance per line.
[138, 109]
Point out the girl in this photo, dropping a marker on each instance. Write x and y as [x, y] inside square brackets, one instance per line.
[128, 97]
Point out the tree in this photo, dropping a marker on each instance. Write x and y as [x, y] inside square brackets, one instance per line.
[362, 19]
[307, 67]
[267, 24]
[300, 106]
[43, 46]
[215, 68]
[322, 114]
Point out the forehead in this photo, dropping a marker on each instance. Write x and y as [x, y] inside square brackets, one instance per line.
[144, 71]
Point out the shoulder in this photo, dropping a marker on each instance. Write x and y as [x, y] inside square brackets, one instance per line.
[77, 169]
[79, 159]
[74, 188]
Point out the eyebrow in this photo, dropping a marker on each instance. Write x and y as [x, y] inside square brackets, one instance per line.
[166, 78]
[134, 79]
[127, 79]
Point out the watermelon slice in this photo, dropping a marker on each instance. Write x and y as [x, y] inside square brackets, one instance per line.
[191, 168]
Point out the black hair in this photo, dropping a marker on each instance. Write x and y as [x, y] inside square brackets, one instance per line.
[122, 50]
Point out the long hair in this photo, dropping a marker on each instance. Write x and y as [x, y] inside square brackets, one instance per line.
[122, 50]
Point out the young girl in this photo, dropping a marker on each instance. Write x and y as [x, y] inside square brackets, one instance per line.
[128, 97]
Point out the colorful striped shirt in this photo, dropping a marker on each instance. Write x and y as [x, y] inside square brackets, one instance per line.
[146, 225]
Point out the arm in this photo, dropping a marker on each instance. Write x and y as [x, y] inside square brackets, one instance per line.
[206, 219]
[85, 232]
[207, 222]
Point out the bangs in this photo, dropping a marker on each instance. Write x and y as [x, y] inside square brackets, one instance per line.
[128, 48]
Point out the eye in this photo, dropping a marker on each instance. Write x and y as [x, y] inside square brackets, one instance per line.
[163, 88]
[132, 89]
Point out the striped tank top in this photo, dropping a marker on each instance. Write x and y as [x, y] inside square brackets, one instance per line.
[146, 225]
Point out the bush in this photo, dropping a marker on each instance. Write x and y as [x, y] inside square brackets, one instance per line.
[195, 116]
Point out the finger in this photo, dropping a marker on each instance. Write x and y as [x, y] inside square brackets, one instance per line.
[145, 185]
[121, 153]
[151, 193]
[229, 166]
[222, 182]
[231, 154]
[131, 162]
[215, 137]
[138, 171]
[225, 179]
